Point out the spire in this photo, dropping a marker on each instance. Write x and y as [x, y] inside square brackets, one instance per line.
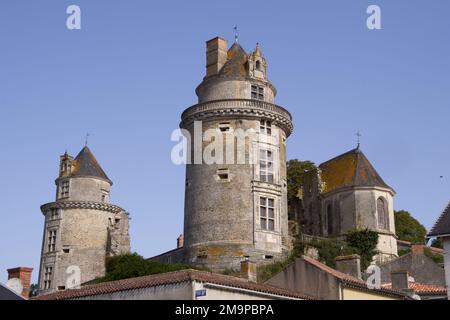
[257, 51]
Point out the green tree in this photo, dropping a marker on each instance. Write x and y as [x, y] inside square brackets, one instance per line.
[364, 243]
[408, 228]
[133, 265]
[295, 171]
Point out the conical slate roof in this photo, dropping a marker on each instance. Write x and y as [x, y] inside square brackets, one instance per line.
[442, 225]
[235, 66]
[351, 169]
[86, 165]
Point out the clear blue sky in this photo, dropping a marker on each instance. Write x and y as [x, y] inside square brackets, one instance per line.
[131, 70]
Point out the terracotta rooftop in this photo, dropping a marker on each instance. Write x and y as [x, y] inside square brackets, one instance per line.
[442, 225]
[351, 281]
[420, 288]
[169, 278]
[351, 169]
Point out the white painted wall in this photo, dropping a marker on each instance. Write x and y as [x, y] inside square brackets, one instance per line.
[447, 264]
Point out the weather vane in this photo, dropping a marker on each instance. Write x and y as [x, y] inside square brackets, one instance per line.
[87, 137]
[359, 135]
[236, 35]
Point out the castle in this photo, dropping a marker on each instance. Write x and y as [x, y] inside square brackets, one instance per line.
[234, 210]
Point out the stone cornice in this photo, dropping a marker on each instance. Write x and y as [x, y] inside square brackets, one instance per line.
[239, 108]
[81, 205]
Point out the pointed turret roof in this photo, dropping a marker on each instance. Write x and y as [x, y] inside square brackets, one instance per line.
[86, 165]
[235, 66]
[351, 169]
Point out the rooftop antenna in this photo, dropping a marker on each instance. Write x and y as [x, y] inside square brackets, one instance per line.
[236, 34]
[87, 138]
[358, 135]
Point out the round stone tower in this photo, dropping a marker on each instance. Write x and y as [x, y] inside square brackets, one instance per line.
[236, 188]
[81, 227]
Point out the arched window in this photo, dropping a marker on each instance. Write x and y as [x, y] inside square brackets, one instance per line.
[258, 65]
[330, 221]
[383, 214]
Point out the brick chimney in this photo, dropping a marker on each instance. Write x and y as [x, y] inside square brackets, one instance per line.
[24, 275]
[400, 281]
[216, 55]
[248, 270]
[350, 265]
[418, 248]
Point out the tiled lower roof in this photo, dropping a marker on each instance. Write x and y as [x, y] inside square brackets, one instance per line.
[169, 278]
[421, 288]
[351, 281]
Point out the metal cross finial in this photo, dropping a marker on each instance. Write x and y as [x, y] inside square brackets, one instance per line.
[236, 35]
[87, 138]
[359, 135]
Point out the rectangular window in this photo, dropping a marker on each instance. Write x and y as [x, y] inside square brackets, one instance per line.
[265, 127]
[64, 189]
[48, 277]
[223, 174]
[266, 166]
[257, 92]
[224, 126]
[267, 213]
[51, 241]
[54, 213]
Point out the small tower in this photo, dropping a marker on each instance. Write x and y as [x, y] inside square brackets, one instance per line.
[355, 196]
[236, 210]
[81, 227]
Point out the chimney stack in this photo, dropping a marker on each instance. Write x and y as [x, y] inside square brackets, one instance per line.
[24, 275]
[216, 55]
[400, 281]
[180, 241]
[350, 265]
[248, 270]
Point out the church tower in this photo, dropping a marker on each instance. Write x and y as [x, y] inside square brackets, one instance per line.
[81, 227]
[236, 203]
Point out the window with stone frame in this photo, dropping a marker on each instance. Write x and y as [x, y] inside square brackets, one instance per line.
[64, 189]
[51, 240]
[267, 213]
[382, 214]
[265, 127]
[54, 213]
[48, 277]
[266, 166]
[257, 92]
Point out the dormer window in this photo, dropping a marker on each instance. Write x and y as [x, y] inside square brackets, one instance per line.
[257, 92]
